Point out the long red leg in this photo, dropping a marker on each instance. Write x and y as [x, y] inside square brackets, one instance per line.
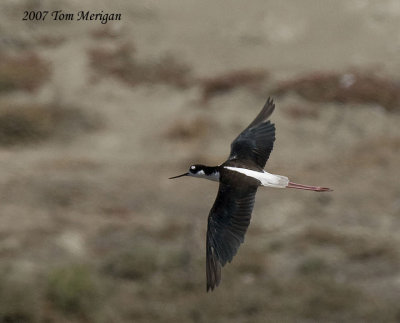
[308, 188]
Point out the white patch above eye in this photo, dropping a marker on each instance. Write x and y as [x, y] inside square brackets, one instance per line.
[192, 167]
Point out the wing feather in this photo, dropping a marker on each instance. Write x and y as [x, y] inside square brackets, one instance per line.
[256, 142]
[228, 221]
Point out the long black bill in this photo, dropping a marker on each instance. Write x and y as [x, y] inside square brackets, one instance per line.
[186, 174]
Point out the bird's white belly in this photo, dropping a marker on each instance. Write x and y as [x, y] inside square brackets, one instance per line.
[265, 178]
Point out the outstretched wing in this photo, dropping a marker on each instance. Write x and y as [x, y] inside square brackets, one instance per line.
[227, 224]
[257, 140]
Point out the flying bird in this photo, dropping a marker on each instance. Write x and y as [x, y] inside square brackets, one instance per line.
[239, 177]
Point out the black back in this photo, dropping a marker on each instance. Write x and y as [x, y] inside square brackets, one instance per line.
[256, 142]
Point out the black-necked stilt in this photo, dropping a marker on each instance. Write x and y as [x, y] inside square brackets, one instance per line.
[239, 178]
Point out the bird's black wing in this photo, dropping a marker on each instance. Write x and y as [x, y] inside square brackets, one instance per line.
[227, 224]
[255, 143]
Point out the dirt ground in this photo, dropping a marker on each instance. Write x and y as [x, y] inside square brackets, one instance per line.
[95, 117]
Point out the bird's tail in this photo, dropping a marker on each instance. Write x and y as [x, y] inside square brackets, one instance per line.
[272, 180]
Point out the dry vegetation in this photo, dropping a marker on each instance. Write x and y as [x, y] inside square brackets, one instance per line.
[26, 71]
[350, 87]
[249, 79]
[188, 129]
[29, 124]
[120, 62]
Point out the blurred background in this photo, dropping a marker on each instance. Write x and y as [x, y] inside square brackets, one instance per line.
[95, 117]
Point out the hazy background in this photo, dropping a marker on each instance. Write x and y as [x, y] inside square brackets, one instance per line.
[94, 118]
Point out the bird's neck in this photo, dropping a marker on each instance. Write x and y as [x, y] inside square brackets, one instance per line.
[209, 172]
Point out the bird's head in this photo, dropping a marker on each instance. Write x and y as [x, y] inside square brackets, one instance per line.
[194, 170]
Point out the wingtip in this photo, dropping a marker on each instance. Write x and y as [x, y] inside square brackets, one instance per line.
[269, 105]
[213, 285]
[213, 270]
[270, 101]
